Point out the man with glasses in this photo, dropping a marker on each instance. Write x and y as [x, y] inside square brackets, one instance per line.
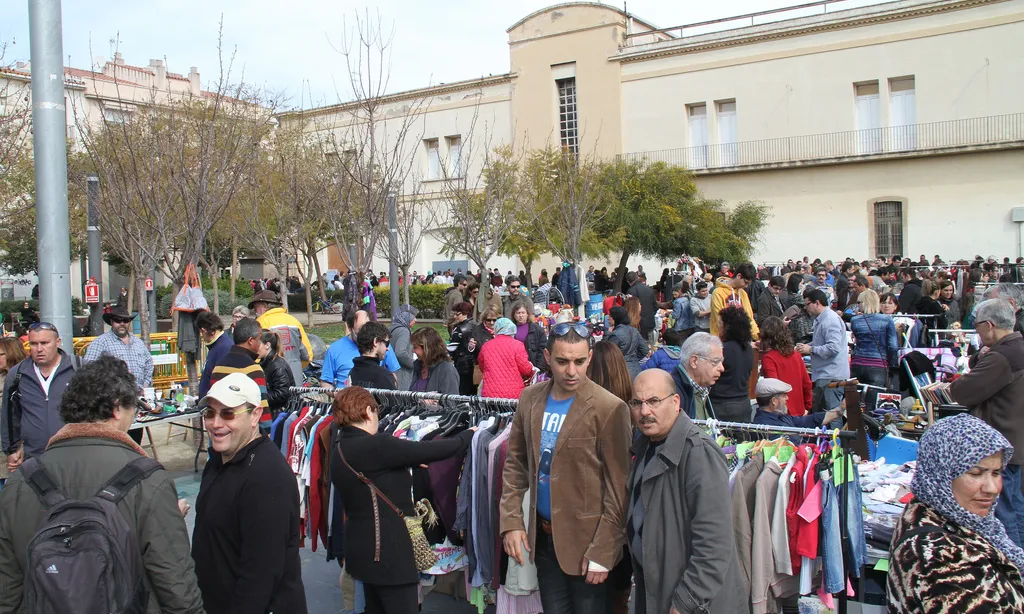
[246, 538]
[372, 341]
[29, 411]
[993, 390]
[516, 295]
[120, 343]
[241, 358]
[701, 363]
[828, 349]
[563, 501]
[679, 535]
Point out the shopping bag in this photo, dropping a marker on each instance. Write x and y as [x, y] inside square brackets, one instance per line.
[190, 298]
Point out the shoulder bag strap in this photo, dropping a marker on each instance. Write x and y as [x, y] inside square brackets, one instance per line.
[374, 494]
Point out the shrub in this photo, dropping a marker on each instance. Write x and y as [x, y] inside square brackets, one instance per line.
[429, 299]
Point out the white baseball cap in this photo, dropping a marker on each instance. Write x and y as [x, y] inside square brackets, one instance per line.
[234, 390]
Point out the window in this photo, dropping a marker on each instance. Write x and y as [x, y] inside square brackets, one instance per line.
[727, 133]
[433, 159]
[903, 113]
[568, 119]
[455, 155]
[869, 134]
[114, 116]
[888, 228]
[698, 115]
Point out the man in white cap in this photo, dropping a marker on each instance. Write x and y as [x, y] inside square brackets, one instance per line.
[246, 538]
[772, 407]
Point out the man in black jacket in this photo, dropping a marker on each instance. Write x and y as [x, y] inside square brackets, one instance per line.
[246, 538]
[648, 305]
[372, 341]
[911, 292]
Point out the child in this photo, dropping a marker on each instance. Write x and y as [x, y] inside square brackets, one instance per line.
[667, 356]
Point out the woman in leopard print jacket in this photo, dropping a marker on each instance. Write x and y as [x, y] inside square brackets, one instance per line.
[949, 553]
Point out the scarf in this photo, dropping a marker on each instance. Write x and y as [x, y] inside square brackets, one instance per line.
[948, 449]
[504, 326]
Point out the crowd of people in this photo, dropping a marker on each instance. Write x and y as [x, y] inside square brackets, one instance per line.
[609, 487]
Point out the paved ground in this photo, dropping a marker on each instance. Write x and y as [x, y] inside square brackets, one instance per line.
[321, 579]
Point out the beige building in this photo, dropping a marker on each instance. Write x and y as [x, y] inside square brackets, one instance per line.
[896, 127]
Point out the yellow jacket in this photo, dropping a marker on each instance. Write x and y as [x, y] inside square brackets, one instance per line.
[294, 342]
[720, 299]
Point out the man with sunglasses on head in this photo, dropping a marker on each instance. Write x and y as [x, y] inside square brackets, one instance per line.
[563, 498]
[33, 389]
[246, 538]
[679, 533]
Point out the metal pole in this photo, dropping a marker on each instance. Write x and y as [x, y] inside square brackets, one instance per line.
[95, 251]
[49, 138]
[393, 253]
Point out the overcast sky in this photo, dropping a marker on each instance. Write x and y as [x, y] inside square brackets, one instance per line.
[289, 45]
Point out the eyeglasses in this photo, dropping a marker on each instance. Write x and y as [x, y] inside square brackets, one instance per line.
[561, 330]
[714, 361]
[980, 322]
[653, 402]
[42, 326]
[227, 414]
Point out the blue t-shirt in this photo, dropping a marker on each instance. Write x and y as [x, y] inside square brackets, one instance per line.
[339, 357]
[554, 415]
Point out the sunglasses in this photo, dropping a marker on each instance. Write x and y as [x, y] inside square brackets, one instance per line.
[561, 330]
[42, 326]
[515, 287]
[227, 414]
[490, 319]
[121, 320]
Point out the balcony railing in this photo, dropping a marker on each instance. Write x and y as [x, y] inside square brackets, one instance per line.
[895, 141]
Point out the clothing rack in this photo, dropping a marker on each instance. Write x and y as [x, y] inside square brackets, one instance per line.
[412, 396]
[842, 436]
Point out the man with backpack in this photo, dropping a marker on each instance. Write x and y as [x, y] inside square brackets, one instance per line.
[29, 414]
[92, 472]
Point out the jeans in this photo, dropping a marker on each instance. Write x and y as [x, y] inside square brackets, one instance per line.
[563, 593]
[875, 376]
[826, 399]
[831, 543]
[1010, 509]
[856, 544]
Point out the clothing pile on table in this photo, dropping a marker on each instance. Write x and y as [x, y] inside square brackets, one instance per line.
[886, 491]
[790, 540]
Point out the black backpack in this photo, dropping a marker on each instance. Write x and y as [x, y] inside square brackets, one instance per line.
[84, 558]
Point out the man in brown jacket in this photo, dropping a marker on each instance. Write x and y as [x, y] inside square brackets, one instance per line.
[569, 450]
[994, 392]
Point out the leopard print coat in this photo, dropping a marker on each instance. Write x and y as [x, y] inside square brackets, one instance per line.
[958, 572]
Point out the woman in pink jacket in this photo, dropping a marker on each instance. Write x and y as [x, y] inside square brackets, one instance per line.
[504, 363]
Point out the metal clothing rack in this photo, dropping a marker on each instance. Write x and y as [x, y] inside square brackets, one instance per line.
[412, 396]
[842, 436]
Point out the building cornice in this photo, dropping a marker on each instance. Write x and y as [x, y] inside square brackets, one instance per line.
[569, 5]
[791, 28]
[424, 92]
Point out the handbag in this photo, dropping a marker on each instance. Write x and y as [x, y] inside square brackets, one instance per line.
[422, 553]
[190, 298]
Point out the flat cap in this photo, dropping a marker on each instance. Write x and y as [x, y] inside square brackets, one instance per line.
[769, 387]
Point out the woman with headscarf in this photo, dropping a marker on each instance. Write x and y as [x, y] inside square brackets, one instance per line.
[628, 339]
[949, 553]
[504, 363]
[401, 343]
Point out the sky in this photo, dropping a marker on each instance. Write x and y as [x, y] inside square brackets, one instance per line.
[292, 46]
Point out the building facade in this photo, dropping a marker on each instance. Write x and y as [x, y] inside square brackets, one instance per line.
[893, 128]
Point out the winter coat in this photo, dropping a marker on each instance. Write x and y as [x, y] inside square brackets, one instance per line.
[953, 313]
[768, 306]
[452, 297]
[568, 287]
[294, 342]
[926, 305]
[401, 343]
[458, 345]
[536, 341]
[689, 555]
[504, 363]
[722, 297]
[279, 379]
[39, 419]
[633, 346]
[648, 306]
[665, 358]
[442, 377]
[215, 352]
[909, 296]
[81, 458]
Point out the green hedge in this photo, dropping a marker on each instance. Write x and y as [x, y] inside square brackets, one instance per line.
[429, 299]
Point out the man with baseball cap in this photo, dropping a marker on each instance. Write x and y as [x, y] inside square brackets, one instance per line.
[772, 397]
[246, 538]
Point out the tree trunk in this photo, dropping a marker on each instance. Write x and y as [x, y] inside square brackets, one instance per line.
[282, 287]
[234, 268]
[131, 295]
[405, 284]
[620, 272]
[140, 286]
[174, 314]
[528, 267]
[309, 290]
[319, 278]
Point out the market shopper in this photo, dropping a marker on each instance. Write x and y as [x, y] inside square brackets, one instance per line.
[462, 331]
[648, 306]
[681, 542]
[731, 292]
[829, 352]
[434, 370]
[371, 471]
[97, 408]
[948, 552]
[629, 340]
[372, 341]
[276, 370]
[516, 296]
[772, 408]
[768, 303]
[29, 410]
[504, 363]
[401, 343]
[338, 359]
[574, 527]
[452, 297]
[531, 335]
[682, 313]
[241, 358]
[246, 538]
[730, 396]
[700, 308]
[911, 292]
[218, 344]
[1010, 293]
[120, 343]
[294, 343]
[993, 390]
[700, 366]
[949, 303]
[875, 344]
[779, 360]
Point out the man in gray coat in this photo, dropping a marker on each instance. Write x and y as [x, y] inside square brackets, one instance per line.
[401, 343]
[29, 414]
[98, 406]
[679, 534]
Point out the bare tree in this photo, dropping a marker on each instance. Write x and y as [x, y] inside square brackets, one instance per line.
[411, 217]
[15, 132]
[370, 140]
